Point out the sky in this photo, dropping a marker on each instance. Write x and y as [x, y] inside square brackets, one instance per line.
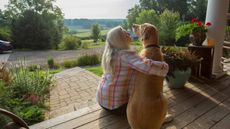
[94, 9]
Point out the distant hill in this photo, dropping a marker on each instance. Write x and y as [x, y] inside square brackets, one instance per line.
[87, 23]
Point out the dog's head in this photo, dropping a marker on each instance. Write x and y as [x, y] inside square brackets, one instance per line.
[147, 33]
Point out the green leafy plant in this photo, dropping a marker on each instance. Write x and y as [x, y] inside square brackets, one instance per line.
[33, 114]
[70, 43]
[70, 63]
[28, 83]
[169, 21]
[33, 67]
[50, 62]
[88, 60]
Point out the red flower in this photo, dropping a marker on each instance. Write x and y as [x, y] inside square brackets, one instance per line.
[194, 20]
[199, 23]
[208, 24]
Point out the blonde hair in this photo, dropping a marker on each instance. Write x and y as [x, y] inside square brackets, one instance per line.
[115, 42]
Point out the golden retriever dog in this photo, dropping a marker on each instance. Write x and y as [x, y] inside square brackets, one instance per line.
[147, 105]
[4, 73]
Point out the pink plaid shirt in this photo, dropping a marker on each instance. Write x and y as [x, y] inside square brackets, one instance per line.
[114, 91]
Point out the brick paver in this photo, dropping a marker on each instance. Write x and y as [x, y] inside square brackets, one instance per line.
[73, 89]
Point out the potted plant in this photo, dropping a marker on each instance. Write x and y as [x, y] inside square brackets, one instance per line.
[180, 61]
[196, 29]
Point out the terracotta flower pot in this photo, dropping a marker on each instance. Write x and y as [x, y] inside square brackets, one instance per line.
[197, 38]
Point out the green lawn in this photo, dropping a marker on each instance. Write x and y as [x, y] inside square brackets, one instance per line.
[91, 44]
[96, 70]
[82, 33]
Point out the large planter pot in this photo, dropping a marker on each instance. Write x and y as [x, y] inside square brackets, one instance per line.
[197, 38]
[179, 79]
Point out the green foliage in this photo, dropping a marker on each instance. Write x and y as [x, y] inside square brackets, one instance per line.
[198, 9]
[125, 25]
[82, 61]
[195, 26]
[168, 24]
[85, 45]
[70, 63]
[88, 60]
[35, 24]
[148, 16]
[96, 70]
[183, 30]
[179, 58]
[95, 32]
[5, 33]
[25, 82]
[70, 43]
[26, 93]
[133, 13]
[33, 67]
[50, 62]
[33, 114]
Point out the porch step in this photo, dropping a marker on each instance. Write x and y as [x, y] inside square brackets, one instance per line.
[66, 117]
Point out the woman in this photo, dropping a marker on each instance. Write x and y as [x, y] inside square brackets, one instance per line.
[119, 64]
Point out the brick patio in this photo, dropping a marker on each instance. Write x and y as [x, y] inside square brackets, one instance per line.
[73, 89]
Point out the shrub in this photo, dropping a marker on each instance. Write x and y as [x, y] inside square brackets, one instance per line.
[85, 45]
[5, 33]
[168, 23]
[148, 16]
[33, 114]
[25, 94]
[70, 43]
[33, 67]
[88, 60]
[28, 83]
[50, 62]
[70, 63]
[34, 30]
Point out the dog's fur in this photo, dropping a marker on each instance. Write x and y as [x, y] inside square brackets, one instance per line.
[4, 73]
[147, 106]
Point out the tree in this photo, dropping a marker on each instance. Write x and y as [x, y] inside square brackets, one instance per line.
[95, 32]
[125, 25]
[169, 22]
[198, 8]
[159, 6]
[132, 15]
[35, 24]
[148, 16]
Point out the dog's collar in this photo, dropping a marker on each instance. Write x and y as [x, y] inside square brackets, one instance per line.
[152, 45]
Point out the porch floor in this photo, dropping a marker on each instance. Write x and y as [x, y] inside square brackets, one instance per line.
[200, 105]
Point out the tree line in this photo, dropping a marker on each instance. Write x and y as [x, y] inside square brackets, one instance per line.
[167, 16]
[34, 24]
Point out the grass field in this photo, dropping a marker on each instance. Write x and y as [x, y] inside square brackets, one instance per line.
[82, 33]
[90, 44]
[96, 70]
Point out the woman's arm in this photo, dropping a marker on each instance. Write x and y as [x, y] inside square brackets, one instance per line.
[144, 65]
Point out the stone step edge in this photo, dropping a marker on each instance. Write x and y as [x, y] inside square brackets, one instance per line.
[66, 117]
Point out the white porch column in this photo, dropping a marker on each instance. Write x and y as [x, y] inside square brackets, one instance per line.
[217, 15]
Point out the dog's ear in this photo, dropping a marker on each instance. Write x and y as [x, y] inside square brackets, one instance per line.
[146, 34]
